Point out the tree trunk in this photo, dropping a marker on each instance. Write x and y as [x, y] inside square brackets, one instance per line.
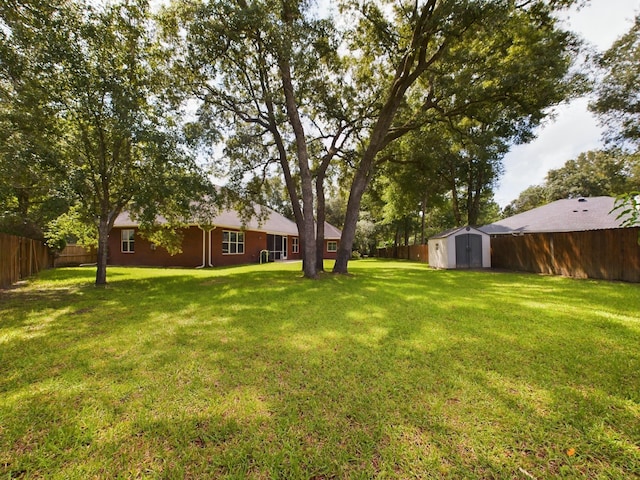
[307, 232]
[406, 230]
[422, 225]
[361, 180]
[320, 216]
[364, 172]
[455, 205]
[103, 240]
[358, 187]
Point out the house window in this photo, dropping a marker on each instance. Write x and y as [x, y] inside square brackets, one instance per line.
[332, 246]
[127, 240]
[295, 245]
[232, 242]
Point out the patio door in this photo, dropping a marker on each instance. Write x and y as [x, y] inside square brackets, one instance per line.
[277, 246]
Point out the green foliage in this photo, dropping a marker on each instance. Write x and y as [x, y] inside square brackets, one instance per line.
[627, 206]
[101, 74]
[336, 208]
[31, 192]
[592, 174]
[284, 88]
[366, 235]
[531, 197]
[247, 372]
[168, 236]
[618, 103]
[71, 227]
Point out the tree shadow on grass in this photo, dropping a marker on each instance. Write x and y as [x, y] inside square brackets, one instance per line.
[262, 374]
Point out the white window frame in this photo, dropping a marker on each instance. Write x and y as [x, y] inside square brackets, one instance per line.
[232, 242]
[295, 245]
[127, 240]
[334, 244]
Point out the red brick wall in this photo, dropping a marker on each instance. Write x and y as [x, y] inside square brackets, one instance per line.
[327, 255]
[191, 256]
[254, 242]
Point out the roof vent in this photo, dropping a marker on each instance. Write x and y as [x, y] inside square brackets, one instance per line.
[582, 199]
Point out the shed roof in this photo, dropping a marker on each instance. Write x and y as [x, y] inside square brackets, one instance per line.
[453, 231]
[568, 215]
[275, 223]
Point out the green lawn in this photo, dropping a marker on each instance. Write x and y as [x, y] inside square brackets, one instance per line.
[396, 371]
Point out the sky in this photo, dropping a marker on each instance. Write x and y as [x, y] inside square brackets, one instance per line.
[574, 129]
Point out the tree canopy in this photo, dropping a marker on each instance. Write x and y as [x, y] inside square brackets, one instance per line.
[99, 73]
[618, 106]
[426, 93]
[286, 88]
[591, 174]
[617, 101]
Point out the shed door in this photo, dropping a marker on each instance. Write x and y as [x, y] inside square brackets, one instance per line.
[469, 251]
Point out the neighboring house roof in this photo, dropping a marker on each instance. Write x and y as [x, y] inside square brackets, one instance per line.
[275, 223]
[453, 231]
[569, 215]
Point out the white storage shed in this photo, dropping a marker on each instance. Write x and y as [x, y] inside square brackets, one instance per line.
[463, 247]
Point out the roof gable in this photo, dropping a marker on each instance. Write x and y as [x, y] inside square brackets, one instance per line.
[453, 231]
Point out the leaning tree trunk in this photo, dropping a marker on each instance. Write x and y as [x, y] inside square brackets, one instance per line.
[358, 187]
[360, 182]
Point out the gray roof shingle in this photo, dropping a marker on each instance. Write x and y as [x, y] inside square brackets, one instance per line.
[275, 223]
[569, 215]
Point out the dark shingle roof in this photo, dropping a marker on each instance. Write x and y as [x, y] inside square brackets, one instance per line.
[275, 223]
[569, 215]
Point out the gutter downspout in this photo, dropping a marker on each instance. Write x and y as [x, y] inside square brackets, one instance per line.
[204, 244]
[210, 251]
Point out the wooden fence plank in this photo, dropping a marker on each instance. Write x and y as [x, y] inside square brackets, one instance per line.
[603, 254]
[417, 253]
[74, 255]
[20, 258]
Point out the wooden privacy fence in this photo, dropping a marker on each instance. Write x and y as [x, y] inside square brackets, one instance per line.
[74, 255]
[20, 258]
[604, 254]
[417, 253]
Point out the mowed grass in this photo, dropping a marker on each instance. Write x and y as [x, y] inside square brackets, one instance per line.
[396, 371]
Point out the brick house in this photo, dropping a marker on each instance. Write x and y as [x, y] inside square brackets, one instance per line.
[228, 242]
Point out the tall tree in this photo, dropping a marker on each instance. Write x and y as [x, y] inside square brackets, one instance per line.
[30, 184]
[254, 67]
[266, 69]
[618, 104]
[531, 197]
[617, 101]
[119, 148]
[443, 59]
